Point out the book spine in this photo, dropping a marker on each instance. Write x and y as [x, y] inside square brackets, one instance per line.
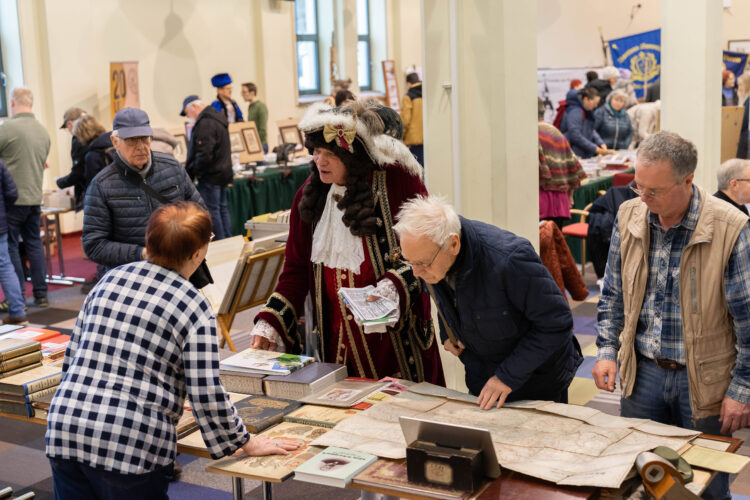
[34, 396]
[309, 421]
[20, 370]
[22, 409]
[38, 385]
[243, 385]
[259, 425]
[20, 361]
[19, 351]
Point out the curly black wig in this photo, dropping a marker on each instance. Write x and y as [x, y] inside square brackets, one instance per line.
[357, 204]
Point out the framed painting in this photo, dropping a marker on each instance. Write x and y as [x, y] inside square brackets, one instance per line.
[245, 134]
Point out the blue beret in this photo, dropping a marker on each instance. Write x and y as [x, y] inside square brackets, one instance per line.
[221, 79]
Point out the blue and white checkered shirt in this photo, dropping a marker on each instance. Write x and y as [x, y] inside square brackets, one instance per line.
[144, 339]
[659, 329]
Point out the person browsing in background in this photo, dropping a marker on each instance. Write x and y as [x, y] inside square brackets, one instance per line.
[675, 306]
[209, 160]
[256, 112]
[605, 84]
[8, 278]
[172, 335]
[578, 123]
[341, 235]
[24, 146]
[734, 183]
[560, 172]
[576, 84]
[612, 122]
[500, 311]
[224, 102]
[116, 207]
[411, 116]
[728, 91]
[88, 129]
[77, 152]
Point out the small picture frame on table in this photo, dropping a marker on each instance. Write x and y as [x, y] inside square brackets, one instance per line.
[235, 142]
[247, 135]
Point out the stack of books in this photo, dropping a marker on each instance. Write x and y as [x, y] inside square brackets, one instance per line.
[18, 392]
[18, 355]
[265, 362]
[53, 343]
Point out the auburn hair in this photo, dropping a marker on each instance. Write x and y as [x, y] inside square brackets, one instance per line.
[175, 232]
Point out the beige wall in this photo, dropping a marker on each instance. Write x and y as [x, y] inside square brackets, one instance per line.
[67, 47]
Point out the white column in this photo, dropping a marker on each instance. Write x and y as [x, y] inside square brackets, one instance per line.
[346, 42]
[480, 114]
[691, 37]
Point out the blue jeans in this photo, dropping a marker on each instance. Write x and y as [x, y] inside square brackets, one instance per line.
[74, 480]
[664, 396]
[215, 198]
[24, 222]
[9, 281]
[418, 152]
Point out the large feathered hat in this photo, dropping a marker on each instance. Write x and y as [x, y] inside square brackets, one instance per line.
[360, 124]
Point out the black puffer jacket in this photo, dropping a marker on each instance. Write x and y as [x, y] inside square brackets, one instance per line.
[76, 176]
[9, 195]
[209, 157]
[100, 154]
[116, 211]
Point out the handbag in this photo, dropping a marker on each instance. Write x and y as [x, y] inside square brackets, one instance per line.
[201, 276]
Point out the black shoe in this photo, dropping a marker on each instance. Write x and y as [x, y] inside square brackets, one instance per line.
[41, 302]
[176, 472]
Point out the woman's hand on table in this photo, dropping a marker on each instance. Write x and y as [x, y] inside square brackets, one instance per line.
[258, 446]
[260, 342]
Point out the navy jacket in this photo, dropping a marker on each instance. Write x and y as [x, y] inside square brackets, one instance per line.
[116, 211]
[209, 156]
[219, 106]
[614, 128]
[9, 193]
[510, 315]
[578, 127]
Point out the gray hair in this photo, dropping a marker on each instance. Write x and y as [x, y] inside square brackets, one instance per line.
[196, 102]
[669, 146]
[429, 216]
[22, 96]
[618, 93]
[730, 170]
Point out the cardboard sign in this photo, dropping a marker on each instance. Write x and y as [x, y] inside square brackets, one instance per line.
[123, 86]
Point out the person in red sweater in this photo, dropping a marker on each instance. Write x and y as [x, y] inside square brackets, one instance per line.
[341, 235]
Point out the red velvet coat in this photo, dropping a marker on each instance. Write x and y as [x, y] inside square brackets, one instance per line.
[407, 350]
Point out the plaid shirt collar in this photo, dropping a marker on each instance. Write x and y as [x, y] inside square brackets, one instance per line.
[689, 220]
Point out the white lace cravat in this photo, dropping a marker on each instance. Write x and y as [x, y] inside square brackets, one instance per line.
[333, 244]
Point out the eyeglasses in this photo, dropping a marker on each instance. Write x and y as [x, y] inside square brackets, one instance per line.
[742, 180]
[653, 193]
[211, 238]
[419, 265]
[135, 141]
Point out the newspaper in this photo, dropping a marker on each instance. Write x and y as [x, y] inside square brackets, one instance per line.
[374, 316]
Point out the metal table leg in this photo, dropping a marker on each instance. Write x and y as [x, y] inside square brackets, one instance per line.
[237, 488]
[60, 279]
[267, 491]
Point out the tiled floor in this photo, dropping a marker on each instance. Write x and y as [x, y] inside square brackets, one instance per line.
[24, 466]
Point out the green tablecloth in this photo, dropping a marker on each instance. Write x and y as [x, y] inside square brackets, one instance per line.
[270, 191]
[582, 196]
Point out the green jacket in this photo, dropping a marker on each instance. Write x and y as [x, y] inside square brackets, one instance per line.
[24, 146]
[258, 112]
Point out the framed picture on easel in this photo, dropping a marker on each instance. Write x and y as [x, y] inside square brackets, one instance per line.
[289, 132]
[245, 140]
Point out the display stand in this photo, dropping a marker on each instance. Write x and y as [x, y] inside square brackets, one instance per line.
[256, 284]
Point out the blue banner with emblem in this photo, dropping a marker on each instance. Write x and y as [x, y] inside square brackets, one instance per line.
[641, 55]
[734, 62]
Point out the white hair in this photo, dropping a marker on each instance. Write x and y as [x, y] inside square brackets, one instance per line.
[610, 72]
[22, 96]
[116, 133]
[196, 102]
[429, 216]
[729, 170]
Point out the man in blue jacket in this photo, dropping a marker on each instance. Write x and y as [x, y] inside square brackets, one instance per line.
[578, 123]
[500, 310]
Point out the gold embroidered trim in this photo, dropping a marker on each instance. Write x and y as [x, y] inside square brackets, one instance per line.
[279, 315]
[375, 257]
[345, 321]
[381, 192]
[396, 273]
[318, 279]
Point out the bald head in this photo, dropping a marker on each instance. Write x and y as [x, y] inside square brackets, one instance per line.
[21, 100]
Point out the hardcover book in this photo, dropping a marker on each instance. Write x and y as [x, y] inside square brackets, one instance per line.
[265, 362]
[12, 348]
[20, 370]
[45, 394]
[32, 380]
[31, 333]
[307, 380]
[21, 409]
[322, 416]
[391, 475]
[17, 362]
[260, 412]
[241, 382]
[273, 467]
[187, 423]
[344, 394]
[54, 347]
[333, 467]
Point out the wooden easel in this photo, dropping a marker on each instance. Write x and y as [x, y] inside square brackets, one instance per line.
[256, 284]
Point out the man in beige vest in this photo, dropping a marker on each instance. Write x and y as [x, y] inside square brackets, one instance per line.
[675, 308]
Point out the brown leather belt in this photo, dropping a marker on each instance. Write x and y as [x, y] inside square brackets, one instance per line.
[668, 364]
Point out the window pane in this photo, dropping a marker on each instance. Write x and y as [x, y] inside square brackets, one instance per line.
[363, 16]
[307, 66]
[363, 64]
[304, 14]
